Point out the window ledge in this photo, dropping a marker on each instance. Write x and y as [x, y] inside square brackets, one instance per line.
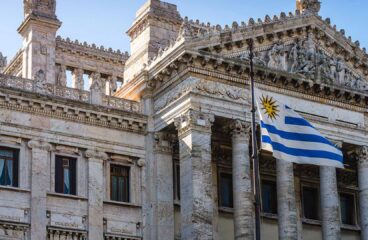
[350, 227]
[312, 221]
[226, 210]
[53, 194]
[126, 204]
[177, 203]
[269, 216]
[14, 189]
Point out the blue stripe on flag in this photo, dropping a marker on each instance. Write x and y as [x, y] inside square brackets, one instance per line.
[302, 152]
[296, 136]
[297, 121]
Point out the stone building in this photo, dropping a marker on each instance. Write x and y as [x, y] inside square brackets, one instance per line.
[99, 144]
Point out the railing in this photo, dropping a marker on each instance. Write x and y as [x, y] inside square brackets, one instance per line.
[29, 85]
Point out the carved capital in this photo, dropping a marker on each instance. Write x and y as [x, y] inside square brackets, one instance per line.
[163, 142]
[194, 120]
[362, 152]
[240, 128]
[39, 144]
[94, 154]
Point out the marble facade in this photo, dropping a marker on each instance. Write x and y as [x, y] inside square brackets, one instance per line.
[176, 113]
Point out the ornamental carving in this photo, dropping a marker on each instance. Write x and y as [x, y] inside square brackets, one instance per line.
[46, 8]
[240, 128]
[94, 154]
[194, 120]
[312, 6]
[39, 144]
[305, 58]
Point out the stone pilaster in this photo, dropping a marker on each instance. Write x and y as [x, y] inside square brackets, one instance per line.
[242, 184]
[39, 186]
[163, 175]
[95, 194]
[362, 154]
[197, 206]
[330, 207]
[286, 204]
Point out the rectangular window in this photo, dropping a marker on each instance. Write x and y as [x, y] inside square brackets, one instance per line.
[65, 175]
[9, 167]
[119, 179]
[176, 181]
[347, 208]
[311, 203]
[269, 197]
[226, 190]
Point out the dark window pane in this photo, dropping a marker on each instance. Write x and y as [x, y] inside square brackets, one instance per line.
[65, 175]
[347, 206]
[226, 190]
[310, 203]
[269, 197]
[9, 167]
[119, 183]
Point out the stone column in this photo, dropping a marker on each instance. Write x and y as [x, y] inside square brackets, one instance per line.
[330, 207]
[77, 79]
[362, 154]
[163, 171]
[95, 194]
[242, 184]
[40, 184]
[197, 206]
[286, 204]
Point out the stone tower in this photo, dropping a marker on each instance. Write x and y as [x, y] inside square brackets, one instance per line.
[156, 22]
[38, 30]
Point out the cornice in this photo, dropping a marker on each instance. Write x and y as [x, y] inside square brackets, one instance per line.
[53, 23]
[72, 111]
[15, 64]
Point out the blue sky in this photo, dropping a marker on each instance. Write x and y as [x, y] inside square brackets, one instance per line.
[105, 22]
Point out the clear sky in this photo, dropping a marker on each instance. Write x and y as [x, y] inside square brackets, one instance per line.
[105, 22]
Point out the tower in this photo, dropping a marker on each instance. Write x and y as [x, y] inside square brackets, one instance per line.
[155, 24]
[38, 31]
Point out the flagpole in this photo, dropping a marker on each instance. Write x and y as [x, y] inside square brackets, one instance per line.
[255, 159]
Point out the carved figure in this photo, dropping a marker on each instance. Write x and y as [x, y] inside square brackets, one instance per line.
[97, 84]
[340, 69]
[40, 81]
[61, 80]
[293, 57]
[312, 6]
[39, 7]
[310, 47]
[113, 84]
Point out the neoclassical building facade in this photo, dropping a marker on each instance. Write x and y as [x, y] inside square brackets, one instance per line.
[154, 144]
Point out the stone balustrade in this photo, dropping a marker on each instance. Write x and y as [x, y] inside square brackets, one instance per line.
[38, 86]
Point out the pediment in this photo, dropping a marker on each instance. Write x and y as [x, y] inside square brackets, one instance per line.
[304, 45]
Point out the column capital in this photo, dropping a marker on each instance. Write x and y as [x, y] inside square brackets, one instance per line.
[240, 128]
[94, 154]
[362, 152]
[39, 144]
[196, 120]
[163, 142]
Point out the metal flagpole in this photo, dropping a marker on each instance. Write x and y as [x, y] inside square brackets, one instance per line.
[255, 159]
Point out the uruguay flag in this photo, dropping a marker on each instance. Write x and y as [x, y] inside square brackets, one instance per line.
[291, 138]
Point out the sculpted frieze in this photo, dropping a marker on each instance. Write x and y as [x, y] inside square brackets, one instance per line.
[203, 87]
[305, 58]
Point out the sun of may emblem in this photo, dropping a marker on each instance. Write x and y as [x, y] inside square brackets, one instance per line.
[269, 107]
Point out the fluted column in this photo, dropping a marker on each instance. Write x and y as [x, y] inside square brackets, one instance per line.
[163, 177]
[286, 204]
[330, 207]
[242, 184]
[39, 186]
[362, 154]
[196, 192]
[95, 194]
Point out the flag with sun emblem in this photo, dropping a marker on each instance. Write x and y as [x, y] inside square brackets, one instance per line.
[291, 138]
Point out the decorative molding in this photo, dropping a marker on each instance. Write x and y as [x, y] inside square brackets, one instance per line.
[40, 145]
[163, 142]
[95, 154]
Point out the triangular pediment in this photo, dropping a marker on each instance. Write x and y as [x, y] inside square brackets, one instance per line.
[301, 44]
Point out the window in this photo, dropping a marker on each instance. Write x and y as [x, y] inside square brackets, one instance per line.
[347, 208]
[65, 175]
[9, 167]
[226, 190]
[269, 197]
[176, 181]
[311, 203]
[119, 179]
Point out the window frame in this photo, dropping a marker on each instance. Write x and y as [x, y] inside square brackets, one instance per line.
[355, 201]
[315, 186]
[129, 191]
[224, 170]
[16, 165]
[76, 160]
[273, 180]
[176, 181]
